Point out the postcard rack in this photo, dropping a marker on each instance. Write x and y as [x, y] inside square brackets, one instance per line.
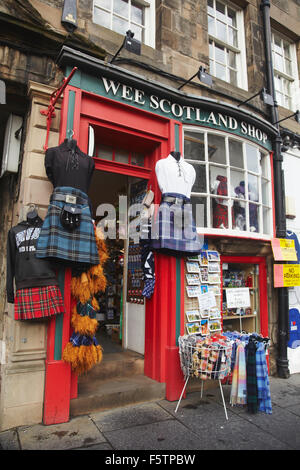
[205, 359]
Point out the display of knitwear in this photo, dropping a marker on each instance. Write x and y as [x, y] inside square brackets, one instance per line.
[83, 351]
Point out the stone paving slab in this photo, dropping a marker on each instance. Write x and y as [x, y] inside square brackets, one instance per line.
[169, 434]
[9, 440]
[78, 432]
[127, 416]
[102, 446]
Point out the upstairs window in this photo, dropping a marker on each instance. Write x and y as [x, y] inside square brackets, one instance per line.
[285, 72]
[122, 15]
[227, 59]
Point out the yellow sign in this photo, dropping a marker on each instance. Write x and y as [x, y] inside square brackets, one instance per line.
[286, 275]
[284, 250]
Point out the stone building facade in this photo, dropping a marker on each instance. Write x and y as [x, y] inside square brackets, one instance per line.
[31, 38]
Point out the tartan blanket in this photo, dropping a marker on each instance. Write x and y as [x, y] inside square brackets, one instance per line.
[38, 302]
[174, 228]
[263, 385]
[238, 395]
[55, 241]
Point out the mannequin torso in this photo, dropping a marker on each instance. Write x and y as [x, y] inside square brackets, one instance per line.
[175, 176]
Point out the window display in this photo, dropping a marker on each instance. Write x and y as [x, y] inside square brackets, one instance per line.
[233, 185]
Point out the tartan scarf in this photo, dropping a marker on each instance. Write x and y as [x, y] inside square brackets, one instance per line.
[263, 386]
[238, 387]
[252, 399]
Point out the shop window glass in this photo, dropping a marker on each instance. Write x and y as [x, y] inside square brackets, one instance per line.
[137, 159]
[121, 156]
[233, 178]
[105, 152]
[199, 209]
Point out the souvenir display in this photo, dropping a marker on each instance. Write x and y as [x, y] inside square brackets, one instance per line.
[37, 293]
[174, 230]
[83, 351]
[68, 231]
[193, 315]
[200, 295]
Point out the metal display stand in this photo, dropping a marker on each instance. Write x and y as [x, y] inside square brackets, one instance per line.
[204, 362]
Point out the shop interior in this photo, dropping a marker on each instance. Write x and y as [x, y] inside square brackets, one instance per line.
[105, 188]
[241, 318]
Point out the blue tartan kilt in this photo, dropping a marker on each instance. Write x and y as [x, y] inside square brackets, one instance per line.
[174, 228]
[77, 246]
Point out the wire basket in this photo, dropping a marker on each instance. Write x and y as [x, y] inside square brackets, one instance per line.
[204, 360]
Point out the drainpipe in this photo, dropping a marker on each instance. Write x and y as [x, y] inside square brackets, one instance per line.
[280, 217]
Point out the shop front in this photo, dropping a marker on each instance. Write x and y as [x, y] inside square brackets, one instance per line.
[127, 124]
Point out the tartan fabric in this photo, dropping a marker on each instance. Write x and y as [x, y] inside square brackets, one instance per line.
[38, 302]
[238, 395]
[77, 246]
[263, 386]
[82, 340]
[174, 230]
[252, 400]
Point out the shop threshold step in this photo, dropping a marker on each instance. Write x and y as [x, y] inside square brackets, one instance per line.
[100, 395]
[115, 365]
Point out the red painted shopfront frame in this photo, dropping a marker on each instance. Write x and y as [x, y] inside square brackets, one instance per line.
[262, 284]
[161, 349]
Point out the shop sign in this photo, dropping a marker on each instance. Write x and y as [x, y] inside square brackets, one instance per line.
[286, 275]
[238, 297]
[284, 249]
[186, 113]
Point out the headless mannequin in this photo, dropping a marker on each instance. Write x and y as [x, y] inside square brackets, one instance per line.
[71, 143]
[176, 155]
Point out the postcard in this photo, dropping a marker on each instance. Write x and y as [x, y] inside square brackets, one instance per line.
[204, 289]
[214, 289]
[204, 312]
[193, 279]
[204, 327]
[213, 255]
[192, 267]
[193, 315]
[213, 278]
[203, 258]
[215, 325]
[214, 312]
[204, 274]
[193, 291]
[193, 328]
[214, 267]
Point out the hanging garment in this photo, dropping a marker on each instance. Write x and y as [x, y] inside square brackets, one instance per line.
[263, 386]
[147, 259]
[220, 207]
[252, 399]
[294, 328]
[55, 242]
[38, 302]
[238, 395]
[174, 231]
[70, 171]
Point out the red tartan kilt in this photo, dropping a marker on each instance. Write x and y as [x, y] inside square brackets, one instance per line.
[38, 302]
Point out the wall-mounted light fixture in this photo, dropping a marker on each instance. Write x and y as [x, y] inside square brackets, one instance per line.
[69, 15]
[202, 75]
[264, 96]
[296, 115]
[131, 44]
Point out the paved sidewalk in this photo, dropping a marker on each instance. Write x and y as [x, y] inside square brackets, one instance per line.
[199, 424]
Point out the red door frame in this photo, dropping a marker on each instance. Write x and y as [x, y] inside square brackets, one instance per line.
[160, 336]
[263, 295]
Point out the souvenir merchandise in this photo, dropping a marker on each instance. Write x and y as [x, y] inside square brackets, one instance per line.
[68, 231]
[250, 379]
[83, 350]
[193, 315]
[37, 292]
[174, 230]
[193, 328]
[220, 205]
[204, 297]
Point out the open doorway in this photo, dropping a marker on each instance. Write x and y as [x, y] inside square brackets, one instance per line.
[121, 319]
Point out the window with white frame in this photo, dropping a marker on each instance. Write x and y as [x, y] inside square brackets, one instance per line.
[232, 191]
[285, 72]
[227, 58]
[122, 15]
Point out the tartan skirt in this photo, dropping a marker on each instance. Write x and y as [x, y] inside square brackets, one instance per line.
[76, 246]
[38, 302]
[174, 229]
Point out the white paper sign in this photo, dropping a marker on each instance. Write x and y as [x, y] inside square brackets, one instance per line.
[238, 297]
[207, 300]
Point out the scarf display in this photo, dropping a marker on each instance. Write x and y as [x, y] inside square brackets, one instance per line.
[238, 394]
[252, 399]
[263, 385]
